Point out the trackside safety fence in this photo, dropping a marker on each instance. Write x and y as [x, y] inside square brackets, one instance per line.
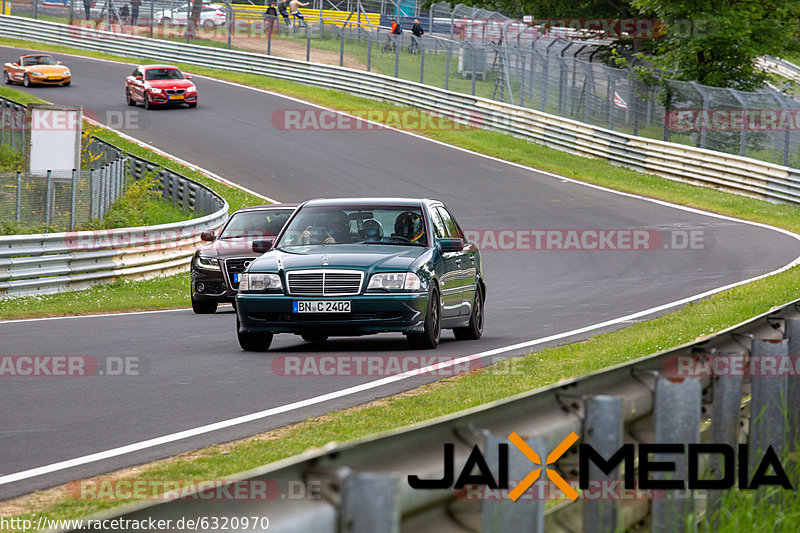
[698, 166]
[53, 262]
[680, 398]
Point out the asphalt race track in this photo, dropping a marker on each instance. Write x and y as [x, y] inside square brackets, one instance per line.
[191, 370]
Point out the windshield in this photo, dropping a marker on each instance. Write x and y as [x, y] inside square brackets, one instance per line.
[350, 224]
[256, 224]
[38, 60]
[163, 74]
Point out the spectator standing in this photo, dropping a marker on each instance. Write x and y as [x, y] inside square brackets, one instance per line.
[294, 8]
[271, 17]
[416, 29]
[135, 4]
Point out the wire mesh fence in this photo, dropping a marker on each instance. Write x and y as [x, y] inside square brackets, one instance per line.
[483, 53]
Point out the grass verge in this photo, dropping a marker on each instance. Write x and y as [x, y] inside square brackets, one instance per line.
[496, 382]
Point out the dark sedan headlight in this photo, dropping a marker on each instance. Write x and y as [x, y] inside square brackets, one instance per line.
[394, 281]
[206, 263]
[260, 282]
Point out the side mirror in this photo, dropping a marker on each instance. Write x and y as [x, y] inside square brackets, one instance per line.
[58, 62]
[14, 64]
[451, 245]
[188, 76]
[139, 78]
[260, 247]
[207, 236]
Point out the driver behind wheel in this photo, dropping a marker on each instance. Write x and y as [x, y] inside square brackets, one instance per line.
[337, 229]
[410, 226]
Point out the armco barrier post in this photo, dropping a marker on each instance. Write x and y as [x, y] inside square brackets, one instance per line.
[48, 196]
[767, 402]
[602, 430]
[369, 504]
[792, 333]
[19, 194]
[500, 514]
[725, 416]
[677, 421]
[74, 200]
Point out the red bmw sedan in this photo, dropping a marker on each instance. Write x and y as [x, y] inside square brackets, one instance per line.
[158, 85]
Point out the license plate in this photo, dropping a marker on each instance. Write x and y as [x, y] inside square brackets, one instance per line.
[236, 278]
[176, 97]
[54, 78]
[320, 306]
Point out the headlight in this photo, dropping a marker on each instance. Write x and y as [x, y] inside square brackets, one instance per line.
[191, 89]
[395, 281]
[66, 72]
[155, 90]
[260, 282]
[206, 263]
[36, 73]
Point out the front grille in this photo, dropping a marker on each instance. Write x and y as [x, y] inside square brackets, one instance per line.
[175, 91]
[236, 266]
[325, 282]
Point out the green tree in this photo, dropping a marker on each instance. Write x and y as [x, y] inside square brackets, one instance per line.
[717, 42]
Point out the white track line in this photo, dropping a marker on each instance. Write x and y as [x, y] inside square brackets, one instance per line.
[260, 415]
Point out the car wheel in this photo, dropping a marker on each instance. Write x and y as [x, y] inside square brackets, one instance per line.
[26, 81]
[166, 22]
[253, 341]
[130, 101]
[314, 338]
[66, 83]
[429, 338]
[6, 78]
[147, 104]
[204, 307]
[475, 328]
[193, 104]
[208, 24]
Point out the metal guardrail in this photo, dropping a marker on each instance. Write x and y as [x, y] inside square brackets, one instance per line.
[717, 170]
[362, 487]
[53, 262]
[14, 119]
[781, 67]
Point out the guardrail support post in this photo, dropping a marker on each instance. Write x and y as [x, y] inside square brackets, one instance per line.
[369, 504]
[19, 195]
[48, 197]
[602, 430]
[725, 418]
[768, 400]
[677, 421]
[74, 199]
[500, 514]
[792, 332]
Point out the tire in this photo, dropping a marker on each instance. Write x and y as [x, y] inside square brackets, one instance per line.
[147, 104]
[6, 78]
[26, 81]
[128, 99]
[253, 342]
[475, 328]
[66, 83]
[314, 338]
[192, 105]
[429, 338]
[204, 307]
[208, 25]
[166, 22]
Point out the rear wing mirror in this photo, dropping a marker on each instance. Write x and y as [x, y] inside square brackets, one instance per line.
[260, 247]
[207, 236]
[451, 245]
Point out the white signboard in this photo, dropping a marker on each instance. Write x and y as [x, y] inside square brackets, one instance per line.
[55, 140]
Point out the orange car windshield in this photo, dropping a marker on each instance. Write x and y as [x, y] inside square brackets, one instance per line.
[37, 60]
[163, 74]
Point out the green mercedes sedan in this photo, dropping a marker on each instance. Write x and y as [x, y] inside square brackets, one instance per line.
[343, 267]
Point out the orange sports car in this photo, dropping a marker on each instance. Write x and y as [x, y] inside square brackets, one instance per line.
[36, 69]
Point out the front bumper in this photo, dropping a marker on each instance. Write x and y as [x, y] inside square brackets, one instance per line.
[210, 285]
[163, 98]
[46, 79]
[370, 313]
